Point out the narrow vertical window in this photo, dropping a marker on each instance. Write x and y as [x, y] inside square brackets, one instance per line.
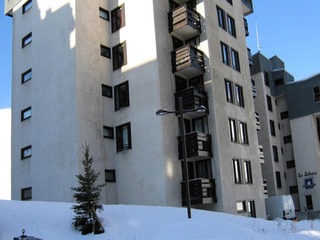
[119, 56]
[117, 18]
[26, 76]
[266, 79]
[221, 18]
[239, 96]
[121, 93]
[237, 170]
[26, 40]
[27, 6]
[231, 26]
[272, 128]
[247, 171]
[243, 133]
[316, 93]
[225, 54]
[252, 209]
[25, 113]
[123, 135]
[235, 62]
[233, 130]
[269, 103]
[278, 179]
[275, 153]
[229, 91]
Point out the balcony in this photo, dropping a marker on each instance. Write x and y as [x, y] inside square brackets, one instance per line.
[265, 187]
[247, 7]
[257, 117]
[202, 191]
[246, 26]
[198, 146]
[261, 154]
[254, 89]
[187, 61]
[192, 98]
[184, 22]
[250, 57]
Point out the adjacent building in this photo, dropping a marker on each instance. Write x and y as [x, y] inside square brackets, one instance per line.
[289, 113]
[97, 71]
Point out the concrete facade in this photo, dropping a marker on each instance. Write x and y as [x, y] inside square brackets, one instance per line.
[68, 109]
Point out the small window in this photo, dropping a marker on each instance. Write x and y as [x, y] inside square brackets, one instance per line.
[235, 62]
[293, 189]
[117, 18]
[26, 113]
[243, 133]
[231, 26]
[26, 40]
[275, 153]
[291, 164]
[237, 170]
[278, 179]
[247, 171]
[241, 207]
[272, 128]
[106, 91]
[105, 51]
[26, 76]
[121, 93]
[26, 194]
[284, 115]
[104, 14]
[27, 6]
[269, 103]
[316, 93]
[119, 58]
[229, 90]
[239, 96]
[123, 135]
[26, 152]
[110, 175]
[278, 82]
[287, 139]
[108, 132]
[252, 209]
[225, 53]
[221, 18]
[233, 130]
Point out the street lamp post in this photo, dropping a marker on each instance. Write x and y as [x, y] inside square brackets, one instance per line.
[181, 111]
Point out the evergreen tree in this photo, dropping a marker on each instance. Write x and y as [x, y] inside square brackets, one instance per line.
[87, 196]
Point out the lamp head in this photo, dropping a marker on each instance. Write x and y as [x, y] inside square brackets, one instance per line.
[162, 112]
[200, 109]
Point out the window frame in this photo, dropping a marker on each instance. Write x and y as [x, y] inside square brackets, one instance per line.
[104, 14]
[275, 153]
[24, 152]
[231, 26]
[105, 51]
[225, 52]
[272, 128]
[106, 91]
[27, 74]
[121, 146]
[23, 113]
[109, 131]
[243, 133]
[247, 172]
[278, 179]
[117, 18]
[221, 18]
[121, 93]
[237, 170]
[23, 194]
[235, 60]
[112, 175]
[229, 90]
[239, 98]
[233, 130]
[119, 58]
[26, 40]
[26, 6]
[269, 103]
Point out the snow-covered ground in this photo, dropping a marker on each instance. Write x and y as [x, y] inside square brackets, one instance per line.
[52, 221]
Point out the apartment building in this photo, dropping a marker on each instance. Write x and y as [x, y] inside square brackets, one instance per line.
[97, 71]
[289, 116]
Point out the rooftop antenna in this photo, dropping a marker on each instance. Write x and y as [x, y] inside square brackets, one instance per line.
[257, 36]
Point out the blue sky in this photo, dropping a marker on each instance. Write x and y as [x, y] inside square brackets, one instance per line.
[286, 28]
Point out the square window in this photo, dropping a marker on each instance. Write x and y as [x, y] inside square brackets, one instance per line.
[123, 135]
[119, 57]
[284, 115]
[291, 164]
[26, 193]
[26, 152]
[27, 6]
[106, 91]
[105, 51]
[25, 113]
[110, 175]
[108, 132]
[104, 14]
[121, 93]
[241, 207]
[117, 18]
[26, 40]
[26, 76]
[287, 139]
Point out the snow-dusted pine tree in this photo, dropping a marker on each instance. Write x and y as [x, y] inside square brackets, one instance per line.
[87, 196]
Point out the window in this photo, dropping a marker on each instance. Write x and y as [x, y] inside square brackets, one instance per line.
[243, 133]
[316, 93]
[110, 175]
[26, 40]
[239, 96]
[121, 93]
[225, 54]
[293, 189]
[266, 79]
[247, 171]
[123, 134]
[200, 125]
[203, 169]
[233, 130]
[237, 170]
[251, 209]
[25, 113]
[108, 132]
[287, 139]
[27, 6]
[229, 90]
[275, 154]
[231, 26]
[278, 179]
[269, 103]
[104, 14]
[26, 152]
[105, 51]
[235, 63]
[26, 193]
[278, 82]
[221, 18]
[284, 115]
[229, 1]
[117, 18]
[272, 128]
[119, 56]
[291, 164]
[26, 76]
[241, 207]
[106, 90]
